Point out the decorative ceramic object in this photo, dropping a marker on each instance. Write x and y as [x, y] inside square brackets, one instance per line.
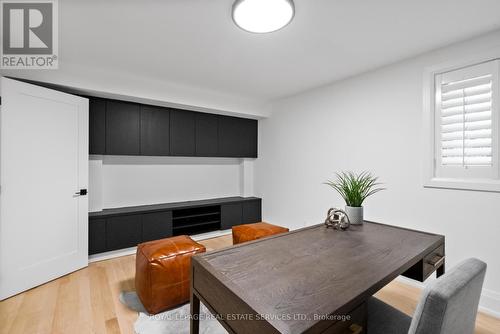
[337, 219]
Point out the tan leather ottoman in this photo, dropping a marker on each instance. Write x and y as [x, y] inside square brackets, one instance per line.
[162, 272]
[249, 232]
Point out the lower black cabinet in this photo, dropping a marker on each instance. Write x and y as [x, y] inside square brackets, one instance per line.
[252, 212]
[231, 215]
[97, 236]
[156, 225]
[121, 228]
[123, 232]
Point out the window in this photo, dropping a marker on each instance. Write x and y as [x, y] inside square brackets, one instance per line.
[465, 122]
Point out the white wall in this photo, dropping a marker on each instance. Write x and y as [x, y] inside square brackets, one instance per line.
[131, 86]
[129, 181]
[374, 122]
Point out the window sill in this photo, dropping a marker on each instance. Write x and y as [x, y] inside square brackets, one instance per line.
[464, 184]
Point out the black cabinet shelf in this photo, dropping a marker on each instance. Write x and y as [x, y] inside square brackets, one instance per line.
[120, 228]
[180, 227]
[197, 215]
[196, 230]
[127, 128]
[204, 217]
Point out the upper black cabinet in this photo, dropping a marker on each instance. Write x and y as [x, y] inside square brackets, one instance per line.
[237, 137]
[97, 126]
[122, 128]
[206, 135]
[182, 133]
[155, 131]
[126, 128]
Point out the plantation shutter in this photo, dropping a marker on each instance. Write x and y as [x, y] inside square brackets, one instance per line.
[467, 121]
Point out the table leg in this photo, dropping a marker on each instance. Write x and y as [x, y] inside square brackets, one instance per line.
[440, 271]
[195, 314]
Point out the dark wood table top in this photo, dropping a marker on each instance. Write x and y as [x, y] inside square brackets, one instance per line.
[316, 271]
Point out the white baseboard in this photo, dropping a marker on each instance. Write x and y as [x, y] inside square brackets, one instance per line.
[132, 250]
[489, 303]
[210, 235]
[112, 254]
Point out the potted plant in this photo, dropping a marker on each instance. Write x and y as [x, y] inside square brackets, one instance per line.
[354, 189]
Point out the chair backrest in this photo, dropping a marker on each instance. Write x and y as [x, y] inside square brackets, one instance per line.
[449, 305]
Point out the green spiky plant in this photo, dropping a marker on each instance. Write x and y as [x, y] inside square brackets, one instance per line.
[355, 188]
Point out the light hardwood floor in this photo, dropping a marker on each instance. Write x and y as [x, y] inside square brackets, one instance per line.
[86, 301]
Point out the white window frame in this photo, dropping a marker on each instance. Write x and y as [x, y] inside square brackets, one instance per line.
[431, 134]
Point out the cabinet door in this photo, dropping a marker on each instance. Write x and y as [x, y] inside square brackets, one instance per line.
[206, 135]
[97, 236]
[157, 225]
[231, 215]
[97, 126]
[237, 137]
[252, 212]
[122, 128]
[155, 130]
[123, 232]
[182, 133]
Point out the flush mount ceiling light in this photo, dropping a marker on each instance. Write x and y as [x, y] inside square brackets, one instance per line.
[261, 16]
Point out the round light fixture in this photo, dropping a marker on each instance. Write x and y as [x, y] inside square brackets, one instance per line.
[261, 16]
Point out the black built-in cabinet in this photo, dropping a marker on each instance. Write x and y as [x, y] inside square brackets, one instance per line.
[127, 128]
[207, 135]
[126, 227]
[231, 215]
[123, 231]
[123, 128]
[237, 137]
[252, 212]
[97, 126]
[247, 212]
[155, 131]
[97, 235]
[156, 225]
[182, 133]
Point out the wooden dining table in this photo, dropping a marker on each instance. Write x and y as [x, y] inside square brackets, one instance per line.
[312, 280]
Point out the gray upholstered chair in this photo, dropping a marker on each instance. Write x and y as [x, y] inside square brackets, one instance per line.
[448, 305]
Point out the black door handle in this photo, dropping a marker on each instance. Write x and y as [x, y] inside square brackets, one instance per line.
[82, 192]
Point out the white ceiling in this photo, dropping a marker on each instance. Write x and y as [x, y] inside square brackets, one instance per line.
[195, 43]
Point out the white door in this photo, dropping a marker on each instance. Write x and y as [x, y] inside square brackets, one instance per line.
[43, 164]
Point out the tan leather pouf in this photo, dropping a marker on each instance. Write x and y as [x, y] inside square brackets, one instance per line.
[249, 232]
[162, 272]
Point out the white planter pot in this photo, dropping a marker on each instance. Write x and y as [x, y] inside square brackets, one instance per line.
[355, 214]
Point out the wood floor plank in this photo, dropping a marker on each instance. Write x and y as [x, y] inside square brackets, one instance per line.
[36, 309]
[87, 301]
[69, 313]
[105, 284]
[119, 281]
[9, 309]
[112, 326]
[96, 300]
